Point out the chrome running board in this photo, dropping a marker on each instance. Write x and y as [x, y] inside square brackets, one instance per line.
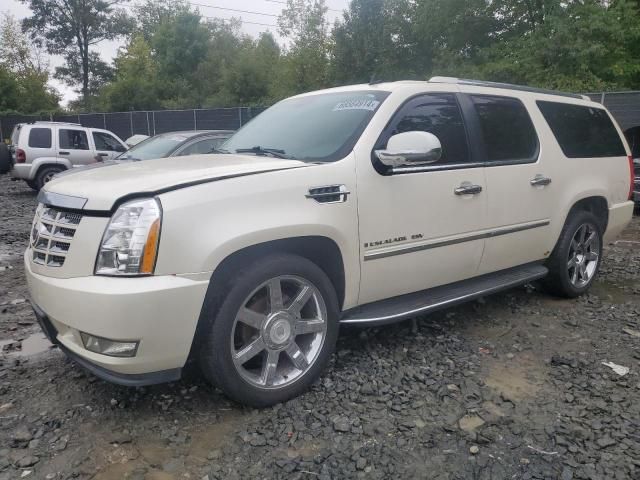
[427, 301]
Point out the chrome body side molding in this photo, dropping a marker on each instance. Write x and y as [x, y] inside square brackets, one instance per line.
[413, 247]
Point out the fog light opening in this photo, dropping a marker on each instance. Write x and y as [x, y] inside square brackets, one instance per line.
[112, 348]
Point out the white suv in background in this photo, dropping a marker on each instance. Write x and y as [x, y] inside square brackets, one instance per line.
[42, 149]
[359, 205]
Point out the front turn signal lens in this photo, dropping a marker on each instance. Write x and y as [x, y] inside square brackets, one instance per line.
[151, 249]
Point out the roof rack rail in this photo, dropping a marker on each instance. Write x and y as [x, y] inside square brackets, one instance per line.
[53, 121]
[508, 86]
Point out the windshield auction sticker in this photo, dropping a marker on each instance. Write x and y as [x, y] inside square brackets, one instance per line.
[357, 104]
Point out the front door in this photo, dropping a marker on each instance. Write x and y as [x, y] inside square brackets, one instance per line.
[418, 227]
[73, 145]
[106, 145]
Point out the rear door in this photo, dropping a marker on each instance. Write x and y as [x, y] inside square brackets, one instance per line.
[521, 194]
[73, 145]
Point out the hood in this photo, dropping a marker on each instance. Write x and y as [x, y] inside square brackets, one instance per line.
[102, 187]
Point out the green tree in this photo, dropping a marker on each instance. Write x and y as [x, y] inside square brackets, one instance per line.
[9, 90]
[72, 73]
[150, 14]
[583, 46]
[134, 86]
[71, 27]
[249, 78]
[179, 46]
[25, 70]
[305, 66]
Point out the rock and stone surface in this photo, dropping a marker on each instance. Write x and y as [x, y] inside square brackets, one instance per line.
[510, 387]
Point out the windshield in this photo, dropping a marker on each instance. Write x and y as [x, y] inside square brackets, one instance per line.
[159, 146]
[321, 128]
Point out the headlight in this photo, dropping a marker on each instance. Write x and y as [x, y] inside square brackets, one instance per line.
[130, 242]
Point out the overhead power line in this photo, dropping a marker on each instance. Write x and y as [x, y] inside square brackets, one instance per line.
[241, 21]
[284, 3]
[233, 9]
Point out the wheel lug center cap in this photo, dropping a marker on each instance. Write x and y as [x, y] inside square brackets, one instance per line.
[278, 331]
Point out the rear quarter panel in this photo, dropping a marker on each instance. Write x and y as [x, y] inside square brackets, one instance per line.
[579, 178]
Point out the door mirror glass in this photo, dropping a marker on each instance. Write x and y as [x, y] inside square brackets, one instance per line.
[411, 148]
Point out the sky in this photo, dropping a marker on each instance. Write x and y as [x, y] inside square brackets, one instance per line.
[268, 8]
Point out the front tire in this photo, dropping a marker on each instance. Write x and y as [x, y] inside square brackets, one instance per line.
[575, 261]
[273, 333]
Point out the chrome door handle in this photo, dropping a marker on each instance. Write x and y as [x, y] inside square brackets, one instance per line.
[467, 188]
[540, 181]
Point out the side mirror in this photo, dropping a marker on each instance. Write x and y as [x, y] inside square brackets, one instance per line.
[411, 148]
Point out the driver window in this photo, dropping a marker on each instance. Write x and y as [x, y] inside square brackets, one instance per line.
[106, 142]
[440, 115]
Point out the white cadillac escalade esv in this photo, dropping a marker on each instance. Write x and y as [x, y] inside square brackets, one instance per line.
[366, 205]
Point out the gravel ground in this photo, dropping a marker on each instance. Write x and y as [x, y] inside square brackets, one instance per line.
[512, 386]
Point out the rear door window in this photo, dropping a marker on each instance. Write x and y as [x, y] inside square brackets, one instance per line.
[40, 138]
[507, 129]
[73, 139]
[581, 131]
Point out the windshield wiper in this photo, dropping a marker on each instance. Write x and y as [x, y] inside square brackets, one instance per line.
[274, 152]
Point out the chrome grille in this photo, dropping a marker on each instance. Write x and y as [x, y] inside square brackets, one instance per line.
[51, 235]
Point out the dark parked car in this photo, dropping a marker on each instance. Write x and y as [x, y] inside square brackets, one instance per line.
[177, 144]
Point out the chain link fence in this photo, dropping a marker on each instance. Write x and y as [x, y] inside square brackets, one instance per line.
[126, 124]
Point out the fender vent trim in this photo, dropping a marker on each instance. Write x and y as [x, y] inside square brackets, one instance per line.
[329, 194]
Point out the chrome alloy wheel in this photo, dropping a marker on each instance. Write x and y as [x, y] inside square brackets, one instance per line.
[48, 177]
[278, 332]
[583, 255]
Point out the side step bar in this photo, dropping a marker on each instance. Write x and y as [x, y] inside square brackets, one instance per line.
[427, 301]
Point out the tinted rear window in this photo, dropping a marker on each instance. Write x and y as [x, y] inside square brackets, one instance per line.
[40, 138]
[507, 129]
[582, 132]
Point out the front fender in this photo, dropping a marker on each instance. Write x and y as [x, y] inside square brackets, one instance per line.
[204, 224]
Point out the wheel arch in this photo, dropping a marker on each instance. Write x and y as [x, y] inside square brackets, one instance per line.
[322, 251]
[40, 163]
[595, 204]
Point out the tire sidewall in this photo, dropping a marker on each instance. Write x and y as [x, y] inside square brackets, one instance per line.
[215, 351]
[571, 228]
[42, 173]
[5, 158]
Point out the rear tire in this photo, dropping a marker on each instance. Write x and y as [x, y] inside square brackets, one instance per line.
[273, 333]
[5, 158]
[575, 261]
[32, 185]
[44, 176]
